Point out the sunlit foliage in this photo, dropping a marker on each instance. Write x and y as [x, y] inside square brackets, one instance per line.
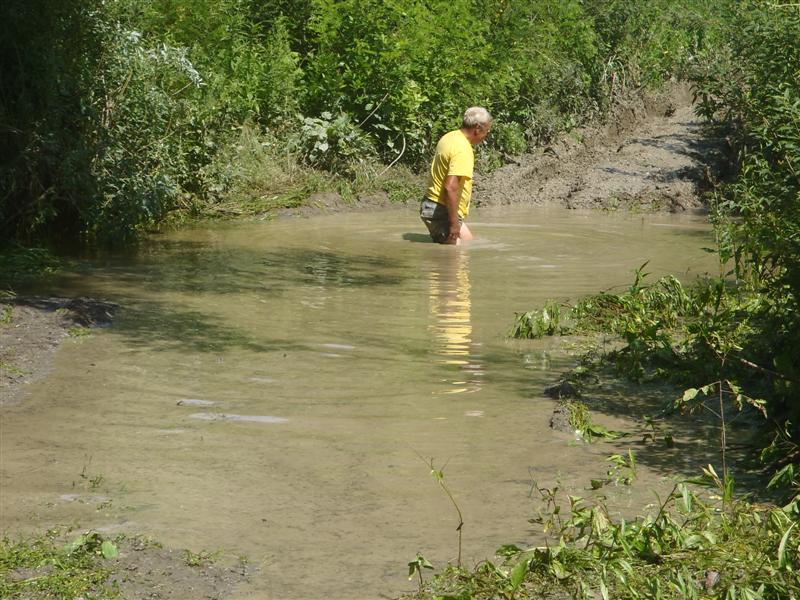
[113, 117]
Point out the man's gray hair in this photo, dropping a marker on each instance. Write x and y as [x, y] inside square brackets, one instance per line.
[476, 115]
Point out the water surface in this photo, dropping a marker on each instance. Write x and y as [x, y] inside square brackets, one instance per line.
[275, 389]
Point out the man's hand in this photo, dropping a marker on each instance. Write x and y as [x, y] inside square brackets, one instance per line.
[453, 235]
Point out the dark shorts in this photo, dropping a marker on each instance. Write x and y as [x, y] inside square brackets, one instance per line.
[436, 219]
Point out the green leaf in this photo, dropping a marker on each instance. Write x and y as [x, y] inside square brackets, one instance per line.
[782, 478]
[690, 394]
[508, 550]
[782, 546]
[626, 566]
[109, 550]
[693, 541]
[517, 575]
[558, 570]
[687, 498]
[78, 543]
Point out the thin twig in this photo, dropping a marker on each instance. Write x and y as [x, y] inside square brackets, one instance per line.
[723, 438]
[438, 475]
[385, 96]
[391, 164]
[753, 365]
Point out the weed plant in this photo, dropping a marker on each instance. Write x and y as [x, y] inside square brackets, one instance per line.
[696, 337]
[752, 88]
[690, 544]
[42, 567]
[694, 546]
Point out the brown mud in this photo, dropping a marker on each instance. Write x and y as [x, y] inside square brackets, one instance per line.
[655, 155]
[31, 331]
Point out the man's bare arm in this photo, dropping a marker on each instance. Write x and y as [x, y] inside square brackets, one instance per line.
[452, 189]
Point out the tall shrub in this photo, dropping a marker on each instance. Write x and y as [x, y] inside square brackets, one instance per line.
[47, 60]
[754, 88]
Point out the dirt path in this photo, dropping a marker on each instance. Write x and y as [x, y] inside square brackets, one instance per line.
[656, 155]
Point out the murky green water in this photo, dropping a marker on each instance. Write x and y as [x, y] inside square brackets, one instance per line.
[269, 390]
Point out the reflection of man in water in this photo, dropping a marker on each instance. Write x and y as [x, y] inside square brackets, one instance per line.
[451, 308]
[446, 202]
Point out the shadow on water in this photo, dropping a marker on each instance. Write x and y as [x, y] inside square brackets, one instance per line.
[337, 269]
[675, 445]
[160, 327]
[199, 267]
[422, 238]
[696, 438]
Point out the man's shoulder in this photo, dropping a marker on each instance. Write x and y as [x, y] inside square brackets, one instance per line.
[453, 141]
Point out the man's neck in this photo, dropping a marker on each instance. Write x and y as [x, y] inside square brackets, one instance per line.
[471, 134]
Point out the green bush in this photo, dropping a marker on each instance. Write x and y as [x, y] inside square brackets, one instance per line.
[753, 88]
[113, 117]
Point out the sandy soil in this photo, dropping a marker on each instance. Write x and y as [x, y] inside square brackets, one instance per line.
[655, 155]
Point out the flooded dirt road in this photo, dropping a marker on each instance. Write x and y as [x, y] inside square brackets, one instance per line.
[273, 390]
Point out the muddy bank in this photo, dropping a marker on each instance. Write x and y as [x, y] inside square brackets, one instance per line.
[31, 329]
[654, 154]
[142, 569]
[145, 570]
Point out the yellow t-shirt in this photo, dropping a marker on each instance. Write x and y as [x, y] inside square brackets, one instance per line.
[454, 156]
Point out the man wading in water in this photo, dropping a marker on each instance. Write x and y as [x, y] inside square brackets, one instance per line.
[446, 202]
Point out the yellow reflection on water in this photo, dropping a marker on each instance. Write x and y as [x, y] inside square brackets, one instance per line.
[451, 321]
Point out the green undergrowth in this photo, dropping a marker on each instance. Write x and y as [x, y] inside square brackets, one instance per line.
[130, 115]
[20, 264]
[712, 340]
[708, 339]
[703, 333]
[694, 543]
[45, 567]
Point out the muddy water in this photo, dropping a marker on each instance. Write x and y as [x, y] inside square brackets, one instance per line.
[271, 390]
